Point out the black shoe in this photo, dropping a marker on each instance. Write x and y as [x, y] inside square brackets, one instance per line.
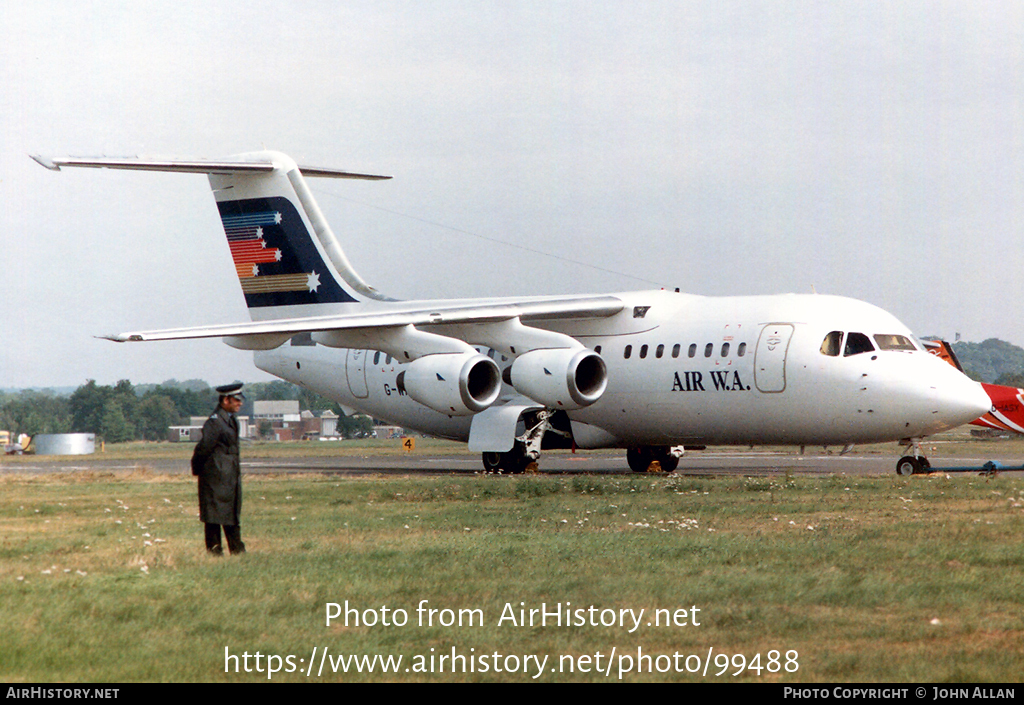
[216, 551]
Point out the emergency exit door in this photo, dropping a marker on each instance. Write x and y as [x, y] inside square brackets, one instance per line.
[355, 370]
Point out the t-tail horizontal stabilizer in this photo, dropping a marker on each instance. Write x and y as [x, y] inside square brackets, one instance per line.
[284, 252]
[193, 166]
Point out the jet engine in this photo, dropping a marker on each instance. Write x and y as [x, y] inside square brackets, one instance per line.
[452, 383]
[561, 378]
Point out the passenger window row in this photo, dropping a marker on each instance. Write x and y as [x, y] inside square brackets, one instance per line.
[627, 353]
[691, 351]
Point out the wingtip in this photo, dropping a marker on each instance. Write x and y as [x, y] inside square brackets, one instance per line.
[45, 161]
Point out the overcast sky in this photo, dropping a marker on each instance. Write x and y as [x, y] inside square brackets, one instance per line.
[871, 150]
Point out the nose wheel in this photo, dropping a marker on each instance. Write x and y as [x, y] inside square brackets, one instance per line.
[913, 463]
[910, 465]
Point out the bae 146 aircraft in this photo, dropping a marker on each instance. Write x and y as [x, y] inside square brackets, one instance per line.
[654, 372]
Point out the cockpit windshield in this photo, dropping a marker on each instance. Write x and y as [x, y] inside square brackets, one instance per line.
[888, 341]
[832, 343]
[857, 343]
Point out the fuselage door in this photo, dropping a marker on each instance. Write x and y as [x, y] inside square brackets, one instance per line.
[770, 357]
[355, 370]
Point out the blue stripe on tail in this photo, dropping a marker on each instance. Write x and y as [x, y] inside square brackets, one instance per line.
[300, 276]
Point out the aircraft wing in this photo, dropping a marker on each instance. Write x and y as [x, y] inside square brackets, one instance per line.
[364, 326]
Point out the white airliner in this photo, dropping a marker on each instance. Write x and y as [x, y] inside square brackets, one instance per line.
[654, 372]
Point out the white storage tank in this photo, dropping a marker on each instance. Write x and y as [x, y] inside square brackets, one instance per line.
[64, 443]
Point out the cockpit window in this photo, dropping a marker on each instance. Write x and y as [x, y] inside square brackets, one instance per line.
[832, 343]
[857, 343]
[888, 341]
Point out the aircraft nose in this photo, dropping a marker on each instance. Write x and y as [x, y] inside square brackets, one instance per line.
[962, 400]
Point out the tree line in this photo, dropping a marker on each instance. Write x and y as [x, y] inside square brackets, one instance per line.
[124, 412]
[994, 361]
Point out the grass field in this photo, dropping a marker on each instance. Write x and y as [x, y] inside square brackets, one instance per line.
[103, 578]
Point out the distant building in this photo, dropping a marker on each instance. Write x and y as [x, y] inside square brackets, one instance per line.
[183, 434]
[284, 434]
[194, 431]
[309, 426]
[324, 425]
[277, 412]
[328, 424]
[286, 420]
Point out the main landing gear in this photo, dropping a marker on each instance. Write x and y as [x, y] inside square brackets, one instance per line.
[513, 462]
[643, 459]
[546, 429]
[543, 429]
[913, 464]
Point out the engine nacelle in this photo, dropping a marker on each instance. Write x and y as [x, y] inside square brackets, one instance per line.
[452, 383]
[561, 378]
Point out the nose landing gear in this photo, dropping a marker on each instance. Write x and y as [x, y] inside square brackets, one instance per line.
[909, 465]
[914, 464]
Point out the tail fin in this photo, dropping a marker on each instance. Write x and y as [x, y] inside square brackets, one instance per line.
[944, 351]
[284, 252]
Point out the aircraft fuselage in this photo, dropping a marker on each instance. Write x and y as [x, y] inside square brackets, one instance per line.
[696, 370]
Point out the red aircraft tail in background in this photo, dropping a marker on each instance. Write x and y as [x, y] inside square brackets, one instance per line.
[1007, 412]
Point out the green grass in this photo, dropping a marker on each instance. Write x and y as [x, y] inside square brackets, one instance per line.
[867, 578]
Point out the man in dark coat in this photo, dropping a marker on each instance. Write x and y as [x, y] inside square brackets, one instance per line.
[215, 461]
